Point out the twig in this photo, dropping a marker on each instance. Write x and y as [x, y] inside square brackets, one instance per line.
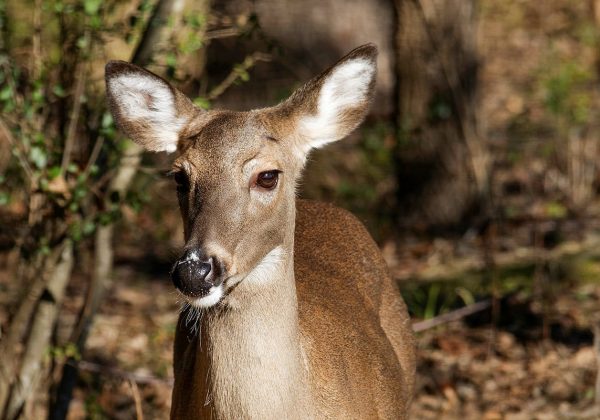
[35, 47]
[221, 33]
[103, 261]
[135, 391]
[120, 373]
[455, 315]
[94, 154]
[7, 135]
[597, 351]
[249, 62]
[72, 129]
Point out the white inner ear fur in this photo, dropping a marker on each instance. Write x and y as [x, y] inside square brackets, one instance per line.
[345, 88]
[144, 98]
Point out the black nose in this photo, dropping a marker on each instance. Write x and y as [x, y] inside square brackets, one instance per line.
[193, 274]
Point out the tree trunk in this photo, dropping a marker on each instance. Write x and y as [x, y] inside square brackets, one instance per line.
[41, 332]
[442, 162]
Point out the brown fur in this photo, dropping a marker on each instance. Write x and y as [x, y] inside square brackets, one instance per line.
[320, 333]
[353, 326]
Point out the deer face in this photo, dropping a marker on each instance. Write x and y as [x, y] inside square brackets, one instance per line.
[235, 183]
[236, 172]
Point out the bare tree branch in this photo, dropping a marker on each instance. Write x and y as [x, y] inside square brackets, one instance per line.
[135, 391]
[456, 315]
[20, 321]
[147, 45]
[120, 373]
[7, 138]
[74, 118]
[41, 332]
[221, 33]
[235, 74]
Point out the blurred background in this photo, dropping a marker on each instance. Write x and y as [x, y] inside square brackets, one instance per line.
[476, 171]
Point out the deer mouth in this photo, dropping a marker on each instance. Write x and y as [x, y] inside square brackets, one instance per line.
[209, 298]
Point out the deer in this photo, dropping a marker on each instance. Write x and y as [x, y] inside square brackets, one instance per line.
[299, 316]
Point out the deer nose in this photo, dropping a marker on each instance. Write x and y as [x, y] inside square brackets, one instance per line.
[194, 274]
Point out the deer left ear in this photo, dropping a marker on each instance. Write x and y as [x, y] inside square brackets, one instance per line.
[146, 107]
[332, 105]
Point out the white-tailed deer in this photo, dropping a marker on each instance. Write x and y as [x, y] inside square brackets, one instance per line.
[299, 316]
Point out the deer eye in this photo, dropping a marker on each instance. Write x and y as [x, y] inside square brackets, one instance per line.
[182, 181]
[268, 179]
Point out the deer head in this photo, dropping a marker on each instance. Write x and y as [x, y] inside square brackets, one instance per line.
[236, 172]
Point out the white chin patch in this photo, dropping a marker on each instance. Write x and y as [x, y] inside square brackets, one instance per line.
[211, 299]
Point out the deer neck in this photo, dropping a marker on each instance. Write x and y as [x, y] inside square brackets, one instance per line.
[257, 367]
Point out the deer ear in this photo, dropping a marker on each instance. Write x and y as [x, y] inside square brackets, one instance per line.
[146, 107]
[332, 105]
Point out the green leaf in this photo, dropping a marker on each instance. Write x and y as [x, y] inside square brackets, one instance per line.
[82, 43]
[44, 184]
[556, 210]
[72, 351]
[96, 22]
[202, 102]
[242, 73]
[59, 91]
[38, 156]
[37, 97]
[44, 249]
[107, 120]
[75, 231]
[5, 93]
[91, 7]
[53, 172]
[79, 193]
[171, 60]
[39, 139]
[88, 227]
[4, 198]
[191, 44]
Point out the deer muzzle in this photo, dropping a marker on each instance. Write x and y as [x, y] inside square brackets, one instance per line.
[194, 274]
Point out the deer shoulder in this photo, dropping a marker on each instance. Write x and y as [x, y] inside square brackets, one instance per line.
[350, 309]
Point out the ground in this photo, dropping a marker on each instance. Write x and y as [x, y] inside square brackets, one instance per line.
[531, 365]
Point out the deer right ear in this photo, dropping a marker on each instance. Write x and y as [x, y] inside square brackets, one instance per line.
[331, 105]
[146, 107]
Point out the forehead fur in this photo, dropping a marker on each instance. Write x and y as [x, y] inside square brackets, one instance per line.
[222, 137]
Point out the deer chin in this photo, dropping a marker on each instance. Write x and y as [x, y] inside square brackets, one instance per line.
[213, 297]
[262, 272]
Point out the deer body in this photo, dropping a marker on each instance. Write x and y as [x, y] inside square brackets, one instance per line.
[333, 360]
[299, 316]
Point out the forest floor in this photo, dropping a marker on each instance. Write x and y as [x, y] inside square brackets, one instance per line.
[530, 358]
